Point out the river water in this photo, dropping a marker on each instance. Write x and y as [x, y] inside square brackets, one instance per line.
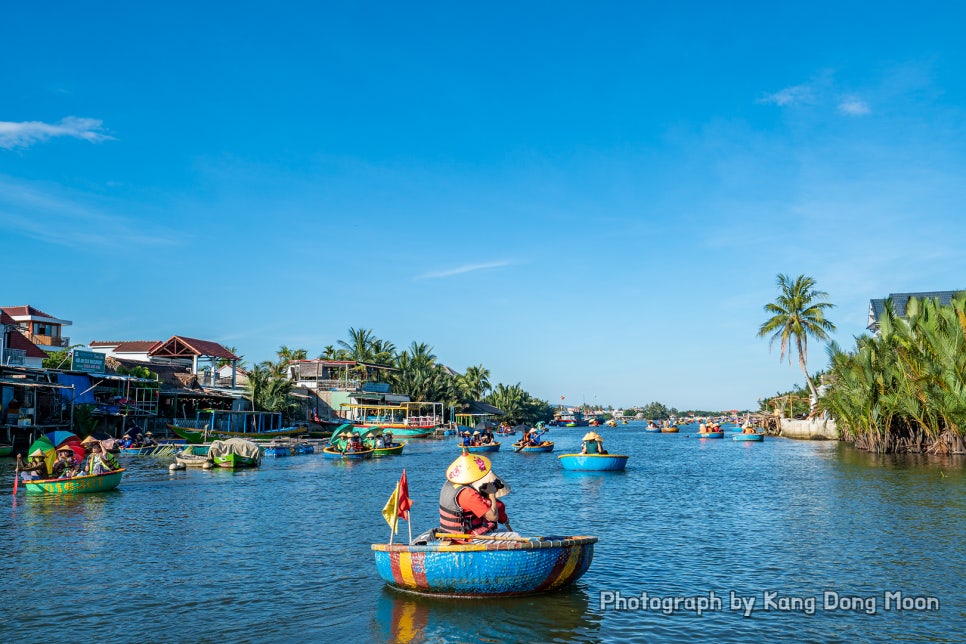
[829, 543]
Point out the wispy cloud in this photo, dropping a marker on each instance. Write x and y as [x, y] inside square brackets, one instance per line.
[53, 215]
[854, 107]
[466, 268]
[26, 133]
[794, 95]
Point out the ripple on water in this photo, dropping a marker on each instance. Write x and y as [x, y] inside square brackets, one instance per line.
[266, 554]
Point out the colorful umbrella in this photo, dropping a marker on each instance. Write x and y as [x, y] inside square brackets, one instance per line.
[51, 441]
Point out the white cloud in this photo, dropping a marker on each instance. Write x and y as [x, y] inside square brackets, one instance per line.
[27, 133]
[854, 107]
[467, 268]
[53, 215]
[794, 95]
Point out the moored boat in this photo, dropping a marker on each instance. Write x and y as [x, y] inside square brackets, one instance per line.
[497, 568]
[754, 438]
[6, 449]
[545, 446]
[75, 485]
[593, 462]
[235, 453]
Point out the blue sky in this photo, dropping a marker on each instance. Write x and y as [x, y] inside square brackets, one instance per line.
[592, 201]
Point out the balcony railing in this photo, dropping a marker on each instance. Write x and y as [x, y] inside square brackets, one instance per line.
[48, 341]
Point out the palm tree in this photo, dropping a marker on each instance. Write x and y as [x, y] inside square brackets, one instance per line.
[475, 383]
[359, 346]
[798, 312]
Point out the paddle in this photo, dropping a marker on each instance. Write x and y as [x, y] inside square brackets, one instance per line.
[517, 447]
[450, 535]
[16, 478]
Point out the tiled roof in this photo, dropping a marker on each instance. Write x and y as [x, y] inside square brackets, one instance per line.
[27, 310]
[18, 341]
[197, 347]
[126, 346]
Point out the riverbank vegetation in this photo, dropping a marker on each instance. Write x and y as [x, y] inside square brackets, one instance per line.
[416, 372]
[904, 390]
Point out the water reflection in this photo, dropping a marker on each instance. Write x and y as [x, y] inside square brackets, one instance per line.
[407, 618]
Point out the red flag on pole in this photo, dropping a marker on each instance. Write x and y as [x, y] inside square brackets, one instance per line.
[404, 502]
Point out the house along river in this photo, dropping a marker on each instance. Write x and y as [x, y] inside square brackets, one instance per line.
[699, 539]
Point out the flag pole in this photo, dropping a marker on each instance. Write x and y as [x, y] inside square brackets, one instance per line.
[395, 519]
[410, 526]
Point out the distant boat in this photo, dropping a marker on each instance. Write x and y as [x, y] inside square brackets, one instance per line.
[569, 419]
[710, 434]
[673, 429]
[754, 438]
[593, 462]
[545, 446]
[476, 449]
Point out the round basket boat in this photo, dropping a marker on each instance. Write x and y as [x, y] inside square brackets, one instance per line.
[710, 434]
[545, 446]
[670, 430]
[76, 484]
[748, 438]
[333, 453]
[395, 450]
[477, 449]
[495, 569]
[593, 462]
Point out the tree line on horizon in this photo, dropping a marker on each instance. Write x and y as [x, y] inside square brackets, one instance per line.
[417, 373]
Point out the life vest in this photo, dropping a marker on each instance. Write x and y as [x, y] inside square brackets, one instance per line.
[453, 518]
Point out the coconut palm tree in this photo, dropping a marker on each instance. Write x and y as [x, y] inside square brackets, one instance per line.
[475, 383]
[797, 313]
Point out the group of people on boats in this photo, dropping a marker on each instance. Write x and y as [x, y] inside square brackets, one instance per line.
[384, 440]
[532, 438]
[477, 438]
[136, 439]
[711, 427]
[96, 461]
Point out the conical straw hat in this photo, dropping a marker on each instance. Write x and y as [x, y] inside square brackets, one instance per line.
[468, 468]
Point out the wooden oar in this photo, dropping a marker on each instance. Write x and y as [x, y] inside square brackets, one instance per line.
[451, 535]
[16, 478]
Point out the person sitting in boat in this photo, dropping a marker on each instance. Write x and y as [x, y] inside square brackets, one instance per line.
[468, 501]
[127, 442]
[99, 461]
[487, 438]
[380, 442]
[748, 429]
[355, 443]
[387, 439]
[592, 444]
[466, 440]
[66, 464]
[149, 440]
[475, 439]
[702, 429]
[35, 468]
